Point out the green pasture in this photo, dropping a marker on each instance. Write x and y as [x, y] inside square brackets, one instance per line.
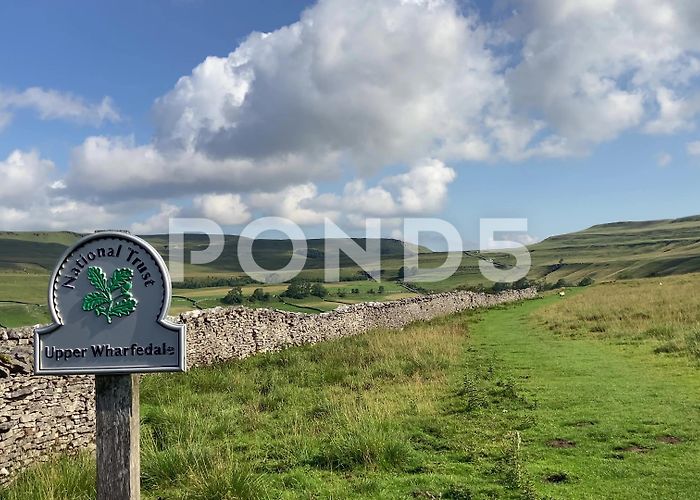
[512, 402]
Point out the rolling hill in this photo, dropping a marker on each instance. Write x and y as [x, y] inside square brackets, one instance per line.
[37, 252]
[604, 252]
[621, 250]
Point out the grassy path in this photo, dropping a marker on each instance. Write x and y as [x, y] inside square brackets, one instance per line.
[602, 420]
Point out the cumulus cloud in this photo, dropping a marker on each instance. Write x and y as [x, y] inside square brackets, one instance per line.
[592, 70]
[52, 105]
[298, 203]
[420, 191]
[24, 177]
[116, 167]
[376, 81]
[223, 208]
[674, 114]
[384, 82]
[31, 198]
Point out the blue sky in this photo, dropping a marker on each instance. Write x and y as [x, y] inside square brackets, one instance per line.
[567, 113]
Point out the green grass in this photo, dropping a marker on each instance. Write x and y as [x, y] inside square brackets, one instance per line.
[211, 296]
[661, 313]
[490, 404]
[375, 416]
[15, 315]
[617, 402]
[62, 478]
[24, 287]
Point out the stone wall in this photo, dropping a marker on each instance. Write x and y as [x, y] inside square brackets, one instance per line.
[237, 332]
[39, 415]
[43, 415]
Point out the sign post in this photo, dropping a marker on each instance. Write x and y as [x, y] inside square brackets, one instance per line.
[108, 297]
[117, 433]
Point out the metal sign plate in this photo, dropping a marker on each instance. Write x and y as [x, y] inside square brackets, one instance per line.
[108, 298]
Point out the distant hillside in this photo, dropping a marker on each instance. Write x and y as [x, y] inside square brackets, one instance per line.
[621, 250]
[610, 251]
[38, 251]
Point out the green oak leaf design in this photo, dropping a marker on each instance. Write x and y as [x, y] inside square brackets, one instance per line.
[103, 300]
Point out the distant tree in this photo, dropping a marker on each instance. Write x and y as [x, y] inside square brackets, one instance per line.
[500, 286]
[234, 296]
[355, 290]
[211, 281]
[297, 289]
[318, 290]
[381, 289]
[259, 295]
[587, 281]
[371, 291]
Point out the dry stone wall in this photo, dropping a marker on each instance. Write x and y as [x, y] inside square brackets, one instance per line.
[43, 415]
[237, 332]
[39, 415]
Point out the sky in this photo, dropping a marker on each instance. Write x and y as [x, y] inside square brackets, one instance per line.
[567, 113]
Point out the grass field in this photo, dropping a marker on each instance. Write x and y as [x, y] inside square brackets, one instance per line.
[210, 297]
[660, 313]
[505, 403]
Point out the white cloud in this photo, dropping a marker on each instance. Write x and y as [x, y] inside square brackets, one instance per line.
[377, 82]
[32, 198]
[509, 237]
[674, 114]
[24, 178]
[292, 203]
[158, 222]
[117, 168]
[420, 191]
[52, 105]
[693, 148]
[223, 208]
[384, 82]
[423, 189]
[592, 70]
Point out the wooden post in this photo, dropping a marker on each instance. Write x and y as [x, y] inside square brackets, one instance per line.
[117, 437]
